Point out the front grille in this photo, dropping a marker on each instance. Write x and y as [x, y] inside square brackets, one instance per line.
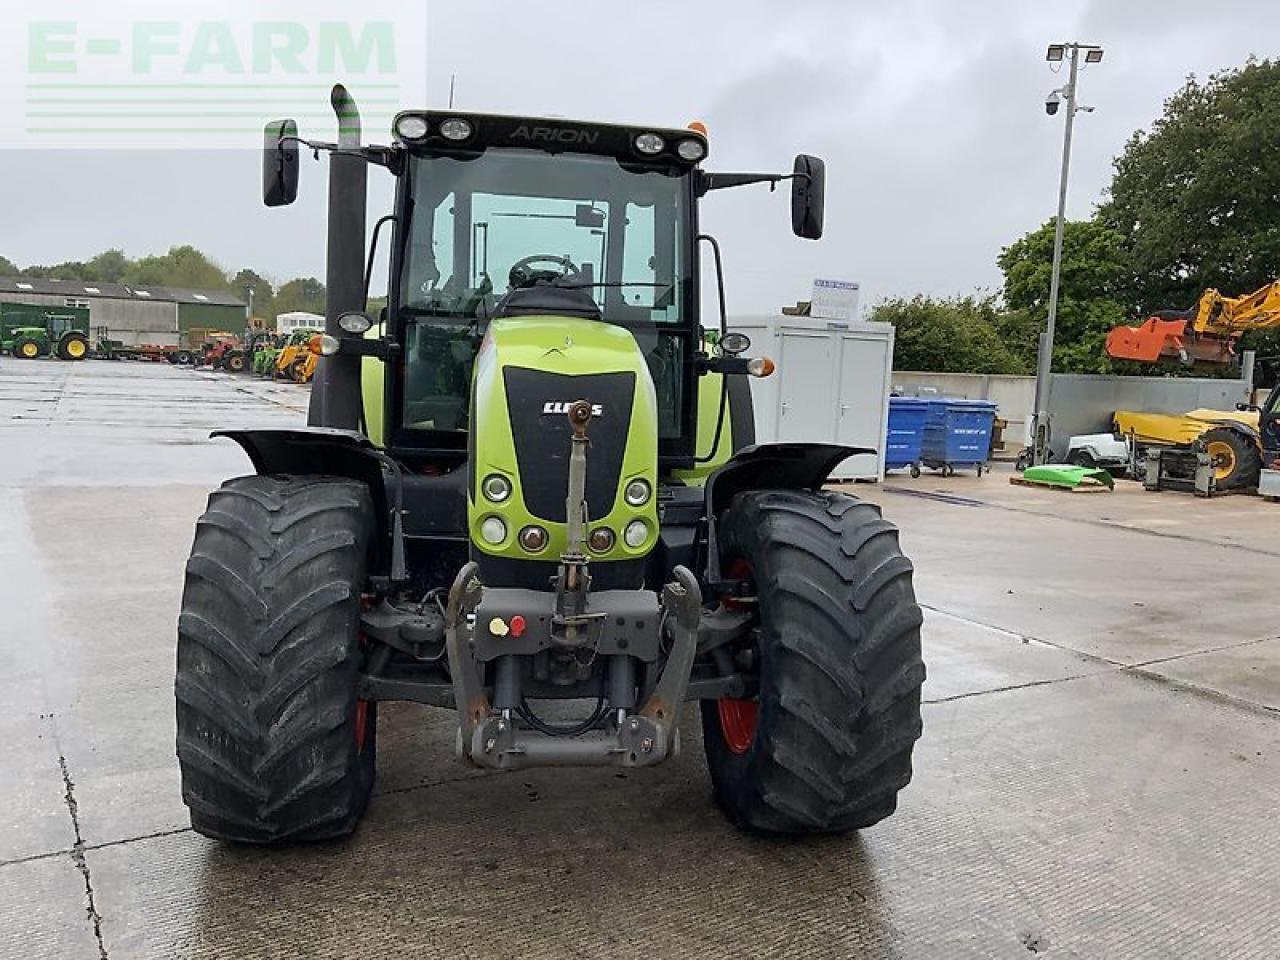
[542, 440]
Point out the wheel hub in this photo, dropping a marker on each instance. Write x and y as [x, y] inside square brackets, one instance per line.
[1223, 457]
[738, 718]
[738, 722]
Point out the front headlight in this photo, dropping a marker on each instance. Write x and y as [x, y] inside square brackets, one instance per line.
[635, 534]
[637, 492]
[455, 128]
[649, 143]
[411, 127]
[355, 322]
[691, 150]
[496, 487]
[493, 531]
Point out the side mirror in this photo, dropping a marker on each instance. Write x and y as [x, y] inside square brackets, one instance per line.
[280, 163]
[808, 188]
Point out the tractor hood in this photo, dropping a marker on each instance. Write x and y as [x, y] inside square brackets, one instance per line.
[528, 371]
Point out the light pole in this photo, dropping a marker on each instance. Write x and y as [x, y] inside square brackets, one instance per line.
[1044, 359]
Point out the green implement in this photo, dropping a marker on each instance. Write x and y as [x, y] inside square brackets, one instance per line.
[1067, 476]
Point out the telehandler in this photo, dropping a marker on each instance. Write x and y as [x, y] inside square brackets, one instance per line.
[295, 360]
[1240, 442]
[545, 502]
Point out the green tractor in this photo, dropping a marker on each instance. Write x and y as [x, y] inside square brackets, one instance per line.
[529, 494]
[266, 348]
[29, 332]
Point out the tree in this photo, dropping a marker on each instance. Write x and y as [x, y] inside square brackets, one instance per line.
[68, 270]
[953, 335]
[109, 266]
[1090, 295]
[1196, 201]
[183, 266]
[8, 268]
[302, 293]
[264, 296]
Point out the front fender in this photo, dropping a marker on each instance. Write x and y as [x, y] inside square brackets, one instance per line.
[1244, 429]
[323, 451]
[768, 466]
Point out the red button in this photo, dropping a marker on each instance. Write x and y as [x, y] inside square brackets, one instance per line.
[517, 625]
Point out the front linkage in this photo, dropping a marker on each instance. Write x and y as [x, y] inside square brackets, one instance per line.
[507, 626]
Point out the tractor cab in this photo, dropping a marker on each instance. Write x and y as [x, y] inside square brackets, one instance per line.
[514, 218]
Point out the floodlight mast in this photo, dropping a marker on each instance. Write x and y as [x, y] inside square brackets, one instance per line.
[1044, 360]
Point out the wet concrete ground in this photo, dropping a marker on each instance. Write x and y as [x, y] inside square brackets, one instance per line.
[1099, 775]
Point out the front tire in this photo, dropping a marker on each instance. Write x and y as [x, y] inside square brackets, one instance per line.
[273, 743]
[1237, 462]
[829, 747]
[24, 348]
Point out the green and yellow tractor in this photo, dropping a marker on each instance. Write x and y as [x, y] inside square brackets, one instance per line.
[29, 332]
[529, 494]
[265, 350]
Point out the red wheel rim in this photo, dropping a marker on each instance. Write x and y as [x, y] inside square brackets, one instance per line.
[738, 723]
[738, 718]
[362, 723]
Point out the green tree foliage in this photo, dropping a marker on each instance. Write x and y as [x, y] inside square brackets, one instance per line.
[8, 268]
[1090, 296]
[950, 335]
[303, 293]
[109, 266]
[1196, 200]
[70, 270]
[183, 266]
[264, 295]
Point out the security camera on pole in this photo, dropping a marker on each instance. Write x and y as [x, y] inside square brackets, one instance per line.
[1065, 94]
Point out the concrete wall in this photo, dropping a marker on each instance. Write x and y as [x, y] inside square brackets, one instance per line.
[1083, 403]
[131, 321]
[1015, 396]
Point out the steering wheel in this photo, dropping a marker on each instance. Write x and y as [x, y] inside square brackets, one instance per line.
[524, 274]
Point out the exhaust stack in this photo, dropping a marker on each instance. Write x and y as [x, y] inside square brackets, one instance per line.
[335, 390]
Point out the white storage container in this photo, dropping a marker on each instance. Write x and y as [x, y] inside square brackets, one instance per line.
[831, 385]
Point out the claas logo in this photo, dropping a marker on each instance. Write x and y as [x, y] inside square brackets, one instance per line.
[562, 407]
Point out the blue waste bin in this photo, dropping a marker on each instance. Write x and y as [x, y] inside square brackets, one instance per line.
[957, 434]
[904, 438]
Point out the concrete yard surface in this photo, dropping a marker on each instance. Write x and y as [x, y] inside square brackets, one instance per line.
[1099, 775]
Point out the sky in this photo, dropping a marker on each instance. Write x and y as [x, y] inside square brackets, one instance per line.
[929, 114]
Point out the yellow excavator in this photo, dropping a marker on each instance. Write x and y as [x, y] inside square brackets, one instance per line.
[1239, 442]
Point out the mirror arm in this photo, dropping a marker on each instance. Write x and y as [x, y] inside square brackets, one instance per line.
[383, 348]
[719, 181]
[382, 156]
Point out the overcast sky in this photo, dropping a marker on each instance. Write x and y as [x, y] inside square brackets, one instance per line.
[929, 114]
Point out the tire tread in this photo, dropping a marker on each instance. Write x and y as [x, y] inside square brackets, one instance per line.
[268, 661]
[841, 667]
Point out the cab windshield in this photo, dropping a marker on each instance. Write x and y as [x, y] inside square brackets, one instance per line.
[508, 220]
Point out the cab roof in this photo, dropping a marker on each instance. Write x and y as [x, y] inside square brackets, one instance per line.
[552, 134]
